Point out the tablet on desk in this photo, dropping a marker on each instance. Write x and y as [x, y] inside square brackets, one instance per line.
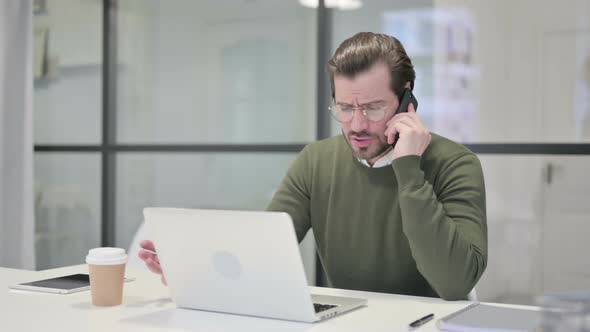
[60, 285]
[491, 318]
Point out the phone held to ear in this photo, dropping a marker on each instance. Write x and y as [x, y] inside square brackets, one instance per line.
[406, 99]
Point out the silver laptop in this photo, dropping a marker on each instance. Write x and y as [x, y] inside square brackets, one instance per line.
[237, 262]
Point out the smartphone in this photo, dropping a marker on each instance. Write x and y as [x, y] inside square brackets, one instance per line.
[61, 285]
[405, 100]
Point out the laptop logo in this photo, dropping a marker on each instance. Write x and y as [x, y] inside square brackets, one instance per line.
[227, 264]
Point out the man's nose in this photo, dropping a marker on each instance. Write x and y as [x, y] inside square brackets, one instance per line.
[358, 122]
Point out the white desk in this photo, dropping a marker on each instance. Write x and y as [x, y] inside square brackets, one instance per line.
[147, 307]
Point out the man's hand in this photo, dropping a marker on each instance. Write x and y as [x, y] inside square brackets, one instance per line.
[151, 260]
[414, 137]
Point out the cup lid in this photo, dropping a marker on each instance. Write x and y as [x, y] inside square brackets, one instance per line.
[106, 256]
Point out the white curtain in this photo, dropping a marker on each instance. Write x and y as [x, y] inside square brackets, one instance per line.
[16, 135]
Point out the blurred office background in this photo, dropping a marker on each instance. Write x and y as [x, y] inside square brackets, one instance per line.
[205, 104]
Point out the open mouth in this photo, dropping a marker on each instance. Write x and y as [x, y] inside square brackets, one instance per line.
[361, 142]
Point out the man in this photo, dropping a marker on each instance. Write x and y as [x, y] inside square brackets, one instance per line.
[408, 218]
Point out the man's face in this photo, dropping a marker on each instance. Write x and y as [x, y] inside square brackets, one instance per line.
[366, 138]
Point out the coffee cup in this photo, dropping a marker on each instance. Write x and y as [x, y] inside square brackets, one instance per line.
[107, 275]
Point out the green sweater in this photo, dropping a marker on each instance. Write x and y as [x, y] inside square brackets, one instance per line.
[417, 227]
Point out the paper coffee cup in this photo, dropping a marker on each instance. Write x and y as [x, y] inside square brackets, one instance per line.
[106, 267]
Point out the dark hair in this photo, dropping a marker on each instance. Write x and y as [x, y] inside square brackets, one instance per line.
[361, 51]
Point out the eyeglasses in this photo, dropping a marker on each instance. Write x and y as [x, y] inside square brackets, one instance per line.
[345, 113]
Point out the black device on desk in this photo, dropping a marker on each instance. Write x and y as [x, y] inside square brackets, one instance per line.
[60, 285]
[405, 100]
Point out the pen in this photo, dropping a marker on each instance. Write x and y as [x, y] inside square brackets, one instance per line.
[151, 252]
[421, 321]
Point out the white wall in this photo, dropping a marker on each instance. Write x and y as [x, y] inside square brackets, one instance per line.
[186, 48]
[530, 92]
[510, 46]
[68, 105]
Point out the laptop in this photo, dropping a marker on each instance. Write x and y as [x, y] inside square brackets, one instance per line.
[238, 262]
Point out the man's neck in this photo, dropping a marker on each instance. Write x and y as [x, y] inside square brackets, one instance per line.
[372, 161]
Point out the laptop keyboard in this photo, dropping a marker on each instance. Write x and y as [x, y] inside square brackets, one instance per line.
[322, 307]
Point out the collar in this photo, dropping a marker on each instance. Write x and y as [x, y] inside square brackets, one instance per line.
[386, 160]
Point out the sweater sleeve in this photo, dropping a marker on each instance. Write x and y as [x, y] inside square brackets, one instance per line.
[293, 194]
[447, 232]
